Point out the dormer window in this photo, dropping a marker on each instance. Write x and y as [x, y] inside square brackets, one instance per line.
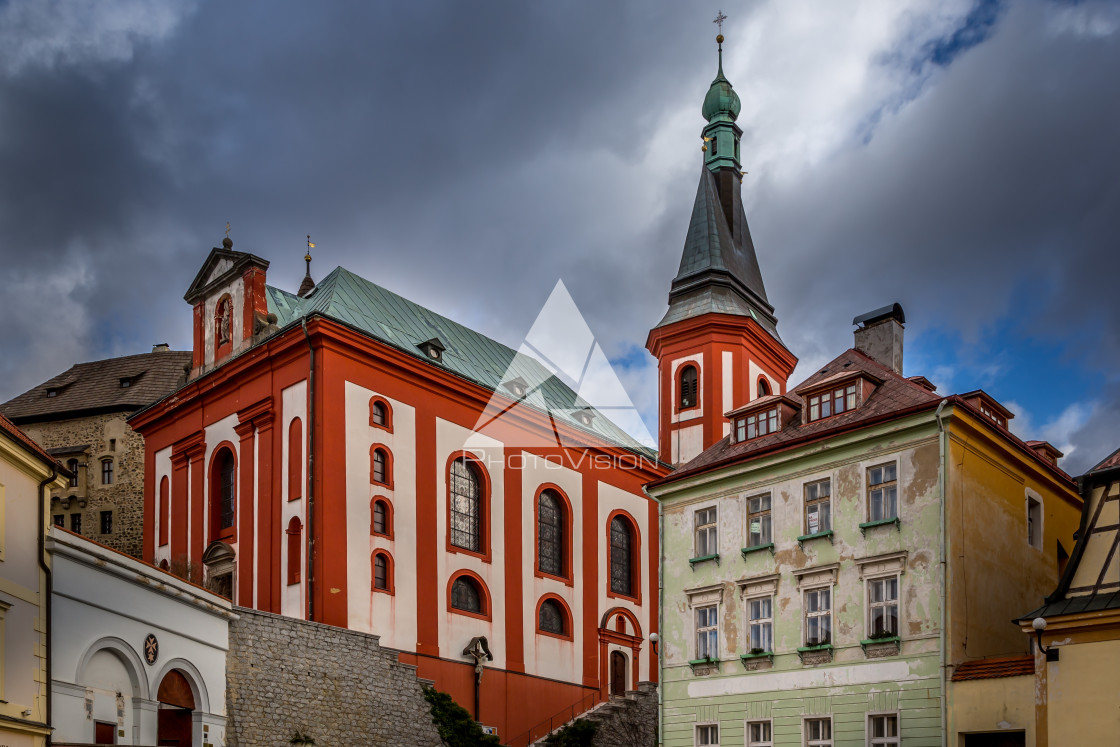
[585, 416]
[756, 425]
[517, 387]
[762, 417]
[832, 402]
[126, 382]
[988, 407]
[433, 349]
[52, 392]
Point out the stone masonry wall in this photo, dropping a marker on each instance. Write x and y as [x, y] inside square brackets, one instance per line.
[338, 686]
[108, 437]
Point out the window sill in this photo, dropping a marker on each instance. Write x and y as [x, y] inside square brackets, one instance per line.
[703, 559]
[874, 648]
[880, 523]
[819, 535]
[702, 667]
[755, 662]
[815, 654]
[763, 655]
[758, 548]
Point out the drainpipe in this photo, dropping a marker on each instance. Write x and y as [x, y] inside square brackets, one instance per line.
[50, 584]
[943, 484]
[310, 473]
[660, 620]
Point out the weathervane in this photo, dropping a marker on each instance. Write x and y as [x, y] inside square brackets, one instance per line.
[720, 18]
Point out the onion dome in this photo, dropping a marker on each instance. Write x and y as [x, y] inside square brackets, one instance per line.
[721, 102]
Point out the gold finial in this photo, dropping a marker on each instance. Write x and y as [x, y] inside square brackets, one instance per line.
[307, 257]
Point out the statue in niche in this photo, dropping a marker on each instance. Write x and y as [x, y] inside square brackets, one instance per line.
[224, 320]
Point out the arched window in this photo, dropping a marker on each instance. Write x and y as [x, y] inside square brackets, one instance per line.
[552, 618]
[763, 387]
[466, 506]
[688, 387]
[550, 533]
[622, 544]
[223, 493]
[72, 465]
[379, 466]
[164, 510]
[380, 414]
[380, 519]
[382, 572]
[295, 550]
[467, 596]
[295, 460]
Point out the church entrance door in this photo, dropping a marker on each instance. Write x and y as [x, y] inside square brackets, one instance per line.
[176, 703]
[618, 673]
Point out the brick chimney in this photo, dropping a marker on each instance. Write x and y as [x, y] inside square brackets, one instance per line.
[879, 335]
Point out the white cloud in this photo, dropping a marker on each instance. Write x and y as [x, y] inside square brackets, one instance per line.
[1059, 430]
[53, 33]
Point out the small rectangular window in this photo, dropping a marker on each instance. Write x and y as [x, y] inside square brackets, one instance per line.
[882, 607]
[75, 523]
[761, 625]
[707, 541]
[882, 730]
[818, 507]
[741, 430]
[106, 522]
[818, 617]
[707, 632]
[1034, 523]
[882, 492]
[818, 732]
[59, 520]
[759, 734]
[759, 531]
[707, 736]
[107, 472]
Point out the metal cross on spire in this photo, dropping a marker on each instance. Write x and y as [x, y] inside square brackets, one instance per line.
[720, 18]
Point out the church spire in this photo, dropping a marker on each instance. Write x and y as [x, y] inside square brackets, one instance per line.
[308, 284]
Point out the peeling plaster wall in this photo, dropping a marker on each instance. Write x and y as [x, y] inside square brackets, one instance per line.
[855, 683]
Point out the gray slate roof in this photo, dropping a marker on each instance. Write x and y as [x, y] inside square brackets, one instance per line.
[403, 324]
[718, 273]
[88, 388]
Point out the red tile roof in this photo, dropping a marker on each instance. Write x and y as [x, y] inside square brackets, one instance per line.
[13, 431]
[989, 669]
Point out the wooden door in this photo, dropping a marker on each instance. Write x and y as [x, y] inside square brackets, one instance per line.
[618, 673]
[104, 733]
[175, 727]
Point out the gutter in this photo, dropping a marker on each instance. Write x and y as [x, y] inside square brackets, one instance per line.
[660, 620]
[310, 472]
[49, 590]
[943, 482]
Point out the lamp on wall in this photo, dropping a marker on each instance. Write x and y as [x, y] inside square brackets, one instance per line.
[655, 639]
[1039, 625]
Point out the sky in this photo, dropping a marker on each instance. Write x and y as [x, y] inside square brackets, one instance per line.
[957, 156]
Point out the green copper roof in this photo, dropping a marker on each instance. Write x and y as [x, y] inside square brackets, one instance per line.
[396, 321]
[721, 102]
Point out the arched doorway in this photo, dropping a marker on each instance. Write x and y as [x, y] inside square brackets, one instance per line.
[176, 704]
[618, 673]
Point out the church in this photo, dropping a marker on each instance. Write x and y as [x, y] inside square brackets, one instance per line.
[346, 456]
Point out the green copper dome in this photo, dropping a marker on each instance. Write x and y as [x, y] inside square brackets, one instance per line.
[721, 98]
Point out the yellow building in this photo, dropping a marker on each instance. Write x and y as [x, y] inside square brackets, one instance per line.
[1076, 689]
[27, 474]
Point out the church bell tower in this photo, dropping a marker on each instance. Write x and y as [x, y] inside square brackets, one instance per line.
[717, 347]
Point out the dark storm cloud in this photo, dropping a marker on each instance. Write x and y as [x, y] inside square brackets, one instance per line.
[468, 155]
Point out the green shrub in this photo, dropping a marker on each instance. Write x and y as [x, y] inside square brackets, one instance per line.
[454, 723]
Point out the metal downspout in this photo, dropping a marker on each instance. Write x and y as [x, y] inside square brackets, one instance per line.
[660, 621]
[50, 587]
[943, 484]
[310, 473]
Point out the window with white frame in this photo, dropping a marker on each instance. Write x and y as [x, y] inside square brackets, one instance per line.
[707, 735]
[762, 423]
[818, 507]
[758, 521]
[882, 730]
[707, 632]
[706, 537]
[1034, 523]
[759, 734]
[882, 492]
[832, 402]
[882, 607]
[760, 625]
[818, 616]
[818, 732]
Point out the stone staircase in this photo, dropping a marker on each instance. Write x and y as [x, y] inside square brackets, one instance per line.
[628, 720]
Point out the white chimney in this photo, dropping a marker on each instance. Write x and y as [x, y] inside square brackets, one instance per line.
[879, 335]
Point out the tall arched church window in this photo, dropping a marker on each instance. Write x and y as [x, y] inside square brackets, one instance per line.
[688, 387]
[380, 521]
[552, 618]
[550, 534]
[466, 506]
[763, 387]
[295, 460]
[223, 492]
[622, 543]
[164, 510]
[377, 413]
[379, 470]
[382, 572]
[295, 550]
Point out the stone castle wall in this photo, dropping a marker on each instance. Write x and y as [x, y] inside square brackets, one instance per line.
[108, 437]
[337, 686]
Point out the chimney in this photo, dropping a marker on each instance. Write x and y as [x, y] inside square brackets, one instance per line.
[879, 335]
[161, 347]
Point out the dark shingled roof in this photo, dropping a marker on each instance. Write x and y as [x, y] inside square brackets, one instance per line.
[717, 273]
[894, 395]
[89, 388]
[989, 669]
